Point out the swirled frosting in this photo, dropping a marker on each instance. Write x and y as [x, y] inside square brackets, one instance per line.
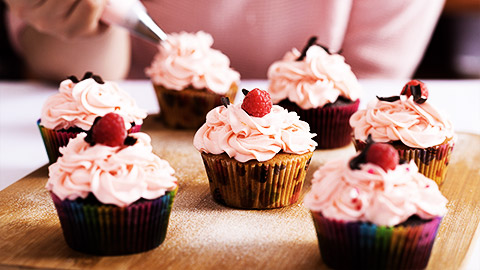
[243, 137]
[416, 125]
[317, 80]
[187, 59]
[117, 175]
[374, 195]
[78, 104]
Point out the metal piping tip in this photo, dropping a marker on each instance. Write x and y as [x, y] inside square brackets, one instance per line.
[148, 29]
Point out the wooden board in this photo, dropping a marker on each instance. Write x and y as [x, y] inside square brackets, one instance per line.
[203, 234]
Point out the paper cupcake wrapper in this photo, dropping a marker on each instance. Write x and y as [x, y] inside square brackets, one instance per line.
[331, 124]
[362, 245]
[54, 139]
[95, 228]
[256, 185]
[431, 162]
[188, 108]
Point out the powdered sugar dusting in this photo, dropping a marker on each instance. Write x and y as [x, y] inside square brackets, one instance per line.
[201, 233]
[217, 234]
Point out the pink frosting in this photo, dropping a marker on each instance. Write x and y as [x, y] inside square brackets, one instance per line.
[243, 137]
[187, 59]
[416, 125]
[373, 195]
[317, 80]
[78, 104]
[115, 175]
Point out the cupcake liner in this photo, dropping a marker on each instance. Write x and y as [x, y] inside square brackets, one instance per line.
[256, 185]
[331, 124]
[54, 139]
[95, 228]
[362, 245]
[431, 162]
[187, 109]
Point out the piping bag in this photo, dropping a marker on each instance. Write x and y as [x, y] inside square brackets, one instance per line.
[132, 15]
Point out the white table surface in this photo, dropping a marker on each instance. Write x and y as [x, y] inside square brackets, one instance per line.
[22, 150]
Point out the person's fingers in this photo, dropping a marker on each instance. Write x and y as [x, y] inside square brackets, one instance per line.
[20, 7]
[84, 19]
[65, 19]
[50, 16]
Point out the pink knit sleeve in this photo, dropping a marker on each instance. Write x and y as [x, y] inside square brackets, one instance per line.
[387, 39]
[252, 33]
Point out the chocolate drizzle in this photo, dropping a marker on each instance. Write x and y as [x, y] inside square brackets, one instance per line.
[73, 79]
[245, 91]
[389, 99]
[98, 79]
[416, 91]
[313, 41]
[225, 101]
[362, 157]
[129, 141]
[405, 90]
[310, 43]
[87, 75]
[89, 137]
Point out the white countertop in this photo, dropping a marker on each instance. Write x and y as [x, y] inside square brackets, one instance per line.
[22, 150]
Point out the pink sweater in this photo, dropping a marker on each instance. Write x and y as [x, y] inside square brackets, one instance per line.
[379, 38]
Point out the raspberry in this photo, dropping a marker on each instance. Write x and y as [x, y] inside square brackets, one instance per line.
[109, 130]
[417, 89]
[257, 102]
[383, 155]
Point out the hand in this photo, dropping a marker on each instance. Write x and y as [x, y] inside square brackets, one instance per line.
[65, 19]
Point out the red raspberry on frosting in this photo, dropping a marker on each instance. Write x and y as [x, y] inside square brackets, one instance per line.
[383, 155]
[109, 130]
[417, 89]
[257, 102]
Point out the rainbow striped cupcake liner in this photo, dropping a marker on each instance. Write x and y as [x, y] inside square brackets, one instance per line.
[92, 227]
[362, 245]
[431, 162]
[256, 185]
[331, 124]
[54, 139]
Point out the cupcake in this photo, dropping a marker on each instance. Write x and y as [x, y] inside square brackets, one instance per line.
[256, 155]
[112, 194]
[372, 212]
[74, 108]
[190, 78]
[321, 88]
[412, 125]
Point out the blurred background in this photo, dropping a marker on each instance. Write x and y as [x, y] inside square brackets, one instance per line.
[453, 52]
